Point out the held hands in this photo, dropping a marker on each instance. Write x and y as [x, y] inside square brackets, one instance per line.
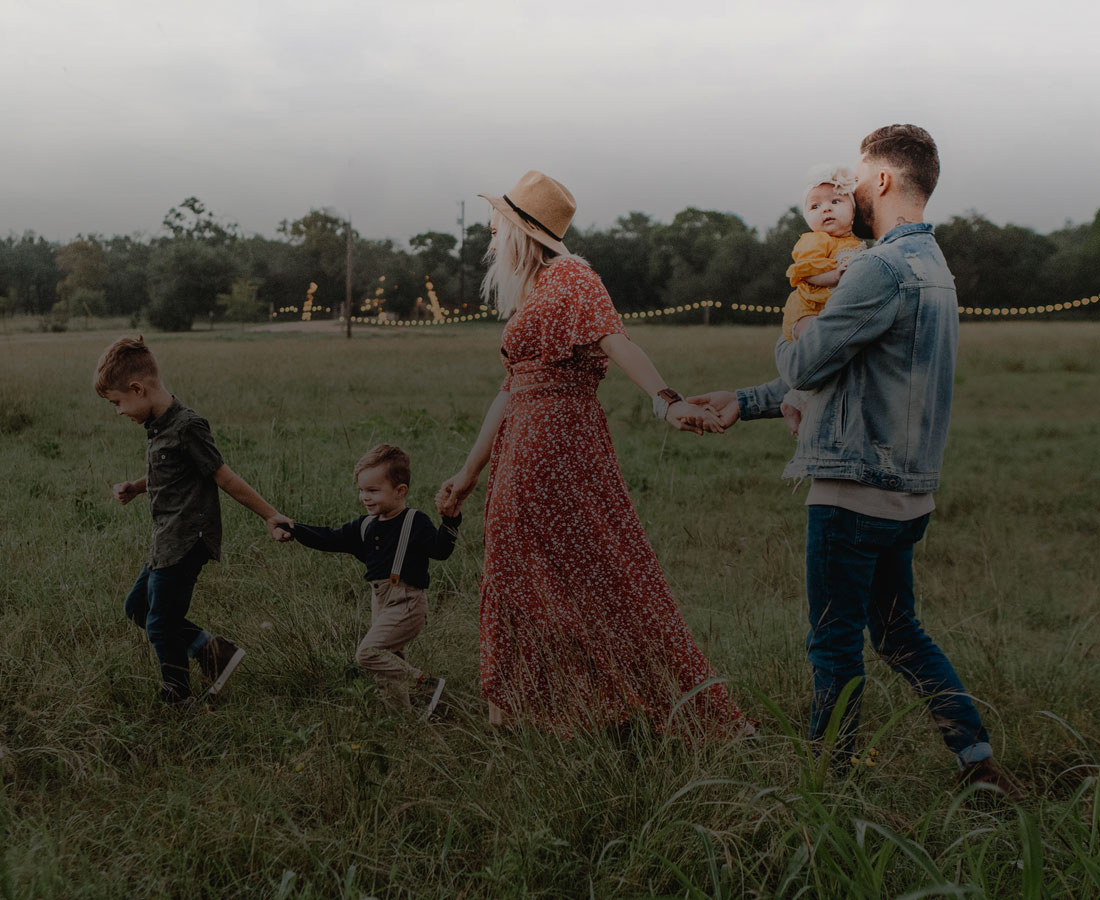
[453, 493]
[689, 417]
[721, 406]
[724, 406]
[279, 534]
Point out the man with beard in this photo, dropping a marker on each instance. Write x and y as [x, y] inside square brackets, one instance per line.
[880, 362]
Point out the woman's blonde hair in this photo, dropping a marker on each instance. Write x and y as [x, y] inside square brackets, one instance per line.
[514, 267]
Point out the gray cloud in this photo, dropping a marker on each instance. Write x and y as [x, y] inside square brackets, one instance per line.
[394, 112]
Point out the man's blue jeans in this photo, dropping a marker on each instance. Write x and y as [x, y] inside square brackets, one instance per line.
[158, 602]
[859, 574]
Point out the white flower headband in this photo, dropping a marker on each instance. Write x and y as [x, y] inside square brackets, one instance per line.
[841, 177]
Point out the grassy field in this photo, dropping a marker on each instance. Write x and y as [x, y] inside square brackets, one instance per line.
[299, 784]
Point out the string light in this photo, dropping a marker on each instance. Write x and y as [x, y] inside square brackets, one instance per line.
[451, 318]
[419, 323]
[1010, 311]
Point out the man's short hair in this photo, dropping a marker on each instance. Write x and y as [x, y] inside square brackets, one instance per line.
[393, 458]
[126, 360]
[909, 149]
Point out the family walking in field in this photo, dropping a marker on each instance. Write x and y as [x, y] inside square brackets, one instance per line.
[579, 628]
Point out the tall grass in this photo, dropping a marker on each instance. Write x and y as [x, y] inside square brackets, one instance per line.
[299, 783]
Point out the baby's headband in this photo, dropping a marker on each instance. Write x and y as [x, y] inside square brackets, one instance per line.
[841, 177]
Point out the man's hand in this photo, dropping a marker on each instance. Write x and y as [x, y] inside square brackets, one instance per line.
[723, 404]
[125, 491]
[277, 533]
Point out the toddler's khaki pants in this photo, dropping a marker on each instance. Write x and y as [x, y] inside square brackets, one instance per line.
[398, 613]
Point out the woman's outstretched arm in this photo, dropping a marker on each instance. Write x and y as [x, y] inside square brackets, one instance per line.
[638, 367]
[459, 486]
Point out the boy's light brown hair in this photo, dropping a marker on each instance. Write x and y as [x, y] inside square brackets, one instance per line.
[393, 458]
[911, 150]
[126, 360]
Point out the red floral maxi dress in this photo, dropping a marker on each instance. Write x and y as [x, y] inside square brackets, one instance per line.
[579, 628]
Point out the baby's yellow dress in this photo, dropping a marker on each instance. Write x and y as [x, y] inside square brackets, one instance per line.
[815, 254]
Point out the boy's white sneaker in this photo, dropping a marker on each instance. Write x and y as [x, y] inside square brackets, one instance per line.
[430, 689]
[217, 660]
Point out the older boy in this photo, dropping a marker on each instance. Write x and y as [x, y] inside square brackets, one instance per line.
[183, 473]
[395, 543]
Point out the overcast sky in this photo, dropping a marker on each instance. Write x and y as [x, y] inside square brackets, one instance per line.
[394, 111]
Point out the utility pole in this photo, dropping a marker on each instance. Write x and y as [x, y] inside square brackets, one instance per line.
[347, 284]
[462, 255]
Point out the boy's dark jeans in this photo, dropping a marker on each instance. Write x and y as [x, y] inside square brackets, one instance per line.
[859, 574]
[158, 602]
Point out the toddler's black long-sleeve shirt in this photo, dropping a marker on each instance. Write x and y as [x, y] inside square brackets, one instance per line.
[379, 547]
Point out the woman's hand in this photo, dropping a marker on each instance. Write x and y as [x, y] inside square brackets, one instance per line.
[454, 492]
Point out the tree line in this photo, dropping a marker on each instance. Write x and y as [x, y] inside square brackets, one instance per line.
[203, 269]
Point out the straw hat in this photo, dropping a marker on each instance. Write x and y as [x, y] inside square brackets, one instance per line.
[540, 206]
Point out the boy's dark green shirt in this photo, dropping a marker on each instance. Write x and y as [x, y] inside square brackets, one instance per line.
[180, 462]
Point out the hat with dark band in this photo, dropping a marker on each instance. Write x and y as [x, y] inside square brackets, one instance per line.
[540, 207]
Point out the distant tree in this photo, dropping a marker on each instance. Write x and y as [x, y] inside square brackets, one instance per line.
[242, 303]
[626, 260]
[279, 270]
[691, 242]
[403, 281]
[435, 251]
[993, 266]
[478, 237]
[1073, 269]
[770, 286]
[126, 286]
[375, 273]
[738, 261]
[435, 257]
[700, 255]
[185, 278]
[190, 269]
[322, 239]
[85, 269]
[191, 219]
[29, 273]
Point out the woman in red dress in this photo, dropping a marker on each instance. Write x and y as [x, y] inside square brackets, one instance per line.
[579, 629]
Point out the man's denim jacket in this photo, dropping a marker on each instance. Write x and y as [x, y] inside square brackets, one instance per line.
[880, 360]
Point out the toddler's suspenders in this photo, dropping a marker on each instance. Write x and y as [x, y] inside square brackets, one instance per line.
[402, 542]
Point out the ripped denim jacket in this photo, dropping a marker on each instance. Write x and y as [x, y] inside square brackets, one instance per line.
[881, 361]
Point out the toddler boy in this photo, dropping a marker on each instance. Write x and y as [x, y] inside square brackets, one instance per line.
[395, 543]
[183, 471]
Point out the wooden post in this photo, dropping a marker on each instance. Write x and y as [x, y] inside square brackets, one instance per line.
[462, 256]
[347, 285]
